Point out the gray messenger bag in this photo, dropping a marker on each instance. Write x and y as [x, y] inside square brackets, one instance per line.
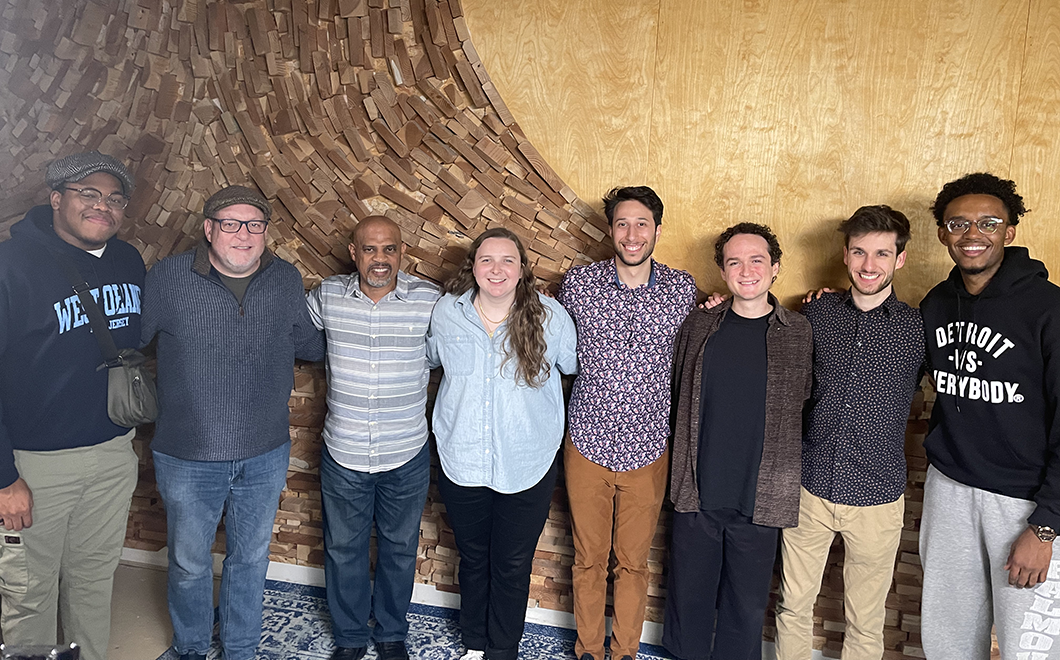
[131, 396]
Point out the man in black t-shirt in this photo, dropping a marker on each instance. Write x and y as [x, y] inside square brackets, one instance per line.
[742, 372]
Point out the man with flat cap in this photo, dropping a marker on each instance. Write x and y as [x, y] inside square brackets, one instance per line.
[230, 318]
[67, 472]
[375, 464]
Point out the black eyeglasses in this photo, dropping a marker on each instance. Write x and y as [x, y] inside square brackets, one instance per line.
[230, 226]
[987, 224]
[91, 196]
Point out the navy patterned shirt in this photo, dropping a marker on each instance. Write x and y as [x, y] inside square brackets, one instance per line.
[866, 367]
[620, 406]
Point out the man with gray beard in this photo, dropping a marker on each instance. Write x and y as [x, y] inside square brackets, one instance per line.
[375, 464]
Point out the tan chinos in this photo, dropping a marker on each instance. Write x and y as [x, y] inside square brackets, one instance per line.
[870, 540]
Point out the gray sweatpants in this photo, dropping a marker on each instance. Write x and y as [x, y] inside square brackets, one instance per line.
[965, 537]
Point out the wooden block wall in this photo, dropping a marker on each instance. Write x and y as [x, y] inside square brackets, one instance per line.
[334, 109]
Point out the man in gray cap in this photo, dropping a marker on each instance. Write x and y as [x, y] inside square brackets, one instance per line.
[230, 318]
[67, 472]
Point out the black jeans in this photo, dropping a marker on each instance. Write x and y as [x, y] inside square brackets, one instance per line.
[721, 565]
[496, 535]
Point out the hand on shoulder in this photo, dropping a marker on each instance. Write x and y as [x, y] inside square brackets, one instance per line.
[815, 294]
[713, 300]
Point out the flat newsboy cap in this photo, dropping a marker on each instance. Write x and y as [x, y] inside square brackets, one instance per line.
[235, 195]
[77, 166]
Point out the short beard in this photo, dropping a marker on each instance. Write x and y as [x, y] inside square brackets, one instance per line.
[619, 255]
[854, 284]
[378, 284]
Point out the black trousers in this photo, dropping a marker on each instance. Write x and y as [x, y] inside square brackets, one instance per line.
[496, 535]
[721, 565]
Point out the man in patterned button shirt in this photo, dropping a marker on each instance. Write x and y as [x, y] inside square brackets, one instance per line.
[627, 310]
[868, 351]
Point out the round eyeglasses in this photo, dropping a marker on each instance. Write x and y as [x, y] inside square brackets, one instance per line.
[987, 225]
[91, 196]
[231, 226]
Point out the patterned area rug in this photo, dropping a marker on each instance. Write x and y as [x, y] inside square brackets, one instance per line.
[296, 624]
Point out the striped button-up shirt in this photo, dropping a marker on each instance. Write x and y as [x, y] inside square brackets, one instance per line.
[377, 370]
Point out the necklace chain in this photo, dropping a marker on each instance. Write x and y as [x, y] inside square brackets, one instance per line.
[478, 306]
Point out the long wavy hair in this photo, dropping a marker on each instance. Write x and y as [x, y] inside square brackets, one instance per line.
[525, 339]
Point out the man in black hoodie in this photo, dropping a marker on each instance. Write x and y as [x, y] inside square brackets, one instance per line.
[992, 497]
[67, 472]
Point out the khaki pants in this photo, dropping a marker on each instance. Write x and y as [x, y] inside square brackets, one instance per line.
[64, 563]
[608, 510]
[870, 539]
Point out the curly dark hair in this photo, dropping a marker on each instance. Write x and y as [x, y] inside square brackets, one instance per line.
[980, 183]
[878, 218]
[642, 194]
[525, 340]
[747, 228]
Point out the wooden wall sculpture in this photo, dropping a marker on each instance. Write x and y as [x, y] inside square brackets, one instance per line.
[334, 109]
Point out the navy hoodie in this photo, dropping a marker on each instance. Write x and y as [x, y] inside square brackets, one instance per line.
[996, 420]
[51, 395]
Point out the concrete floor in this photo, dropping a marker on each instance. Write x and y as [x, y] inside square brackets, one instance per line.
[139, 627]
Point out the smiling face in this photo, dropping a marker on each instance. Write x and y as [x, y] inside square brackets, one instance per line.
[377, 250]
[746, 268]
[238, 254]
[634, 232]
[977, 254]
[497, 269]
[871, 260]
[83, 225]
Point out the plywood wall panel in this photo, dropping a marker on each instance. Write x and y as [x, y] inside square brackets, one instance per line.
[823, 112]
[793, 114]
[1036, 155]
[587, 70]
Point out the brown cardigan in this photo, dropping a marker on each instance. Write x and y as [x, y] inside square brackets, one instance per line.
[789, 352]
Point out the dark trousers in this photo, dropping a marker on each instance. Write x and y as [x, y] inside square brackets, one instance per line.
[721, 565]
[352, 501]
[496, 535]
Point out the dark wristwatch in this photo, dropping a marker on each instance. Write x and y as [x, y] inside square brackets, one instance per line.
[1044, 533]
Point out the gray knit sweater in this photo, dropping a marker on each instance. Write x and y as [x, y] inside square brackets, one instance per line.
[225, 369]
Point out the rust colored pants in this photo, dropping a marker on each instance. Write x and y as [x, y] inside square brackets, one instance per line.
[611, 510]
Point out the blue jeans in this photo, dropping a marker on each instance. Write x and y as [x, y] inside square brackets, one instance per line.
[351, 500]
[195, 493]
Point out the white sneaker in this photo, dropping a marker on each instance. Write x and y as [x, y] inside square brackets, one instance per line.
[473, 655]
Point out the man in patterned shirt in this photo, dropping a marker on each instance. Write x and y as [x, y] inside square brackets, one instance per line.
[627, 311]
[375, 465]
[868, 351]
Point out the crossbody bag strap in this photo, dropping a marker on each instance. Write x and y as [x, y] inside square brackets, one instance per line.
[95, 317]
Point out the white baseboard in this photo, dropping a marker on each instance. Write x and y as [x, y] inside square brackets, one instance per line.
[423, 594]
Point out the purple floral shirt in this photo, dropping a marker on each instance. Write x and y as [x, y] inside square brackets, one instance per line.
[620, 406]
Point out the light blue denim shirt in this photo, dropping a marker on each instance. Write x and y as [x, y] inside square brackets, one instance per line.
[492, 430]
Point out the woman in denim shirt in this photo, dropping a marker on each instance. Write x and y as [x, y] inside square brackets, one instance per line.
[498, 420]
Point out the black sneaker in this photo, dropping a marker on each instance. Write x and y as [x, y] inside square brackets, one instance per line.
[346, 653]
